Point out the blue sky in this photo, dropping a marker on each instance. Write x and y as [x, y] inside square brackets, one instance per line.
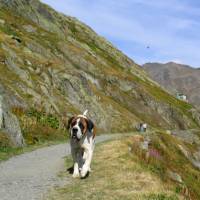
[171, 28]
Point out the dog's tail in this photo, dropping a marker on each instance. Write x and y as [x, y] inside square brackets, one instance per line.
[85, 112]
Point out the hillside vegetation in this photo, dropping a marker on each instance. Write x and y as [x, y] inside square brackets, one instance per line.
[53, 66]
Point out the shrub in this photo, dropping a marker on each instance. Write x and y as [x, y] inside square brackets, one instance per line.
[44, 118]
[4, 141]
[38, 126]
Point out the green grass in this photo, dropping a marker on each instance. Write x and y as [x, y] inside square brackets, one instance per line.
[44, 118]
[8, 152]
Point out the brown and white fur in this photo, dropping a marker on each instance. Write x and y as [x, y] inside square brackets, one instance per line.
[82, 136]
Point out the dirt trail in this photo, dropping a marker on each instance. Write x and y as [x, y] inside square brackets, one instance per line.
[30, 175]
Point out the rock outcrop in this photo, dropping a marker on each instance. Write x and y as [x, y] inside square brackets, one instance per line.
[10, 124]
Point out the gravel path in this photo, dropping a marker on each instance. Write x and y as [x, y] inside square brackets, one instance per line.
[30, 175]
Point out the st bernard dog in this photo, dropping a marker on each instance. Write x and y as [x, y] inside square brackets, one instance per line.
[82, 142]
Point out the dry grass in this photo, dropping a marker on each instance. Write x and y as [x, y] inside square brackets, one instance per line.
[164, 155]
[116, 176]
[4, 140]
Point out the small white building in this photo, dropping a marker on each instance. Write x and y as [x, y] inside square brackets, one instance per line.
[181, 96]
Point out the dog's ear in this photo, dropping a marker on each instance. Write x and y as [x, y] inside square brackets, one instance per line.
[90, 125]
[69, 122]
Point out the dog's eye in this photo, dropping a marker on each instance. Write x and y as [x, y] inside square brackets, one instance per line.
[81, 125]
[73, 123]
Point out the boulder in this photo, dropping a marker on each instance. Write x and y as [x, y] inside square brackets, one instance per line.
[188, 136]
[29, 28]
[193, 158]
[174, 176]
[10, 124]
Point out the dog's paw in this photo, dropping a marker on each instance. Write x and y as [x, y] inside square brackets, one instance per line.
[87, 174]
[84, 172]
[75, 175]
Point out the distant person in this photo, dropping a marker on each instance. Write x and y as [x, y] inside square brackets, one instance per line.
[141, 127]
[144, 127]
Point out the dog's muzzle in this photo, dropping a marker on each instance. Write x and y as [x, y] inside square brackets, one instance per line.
[74, 133]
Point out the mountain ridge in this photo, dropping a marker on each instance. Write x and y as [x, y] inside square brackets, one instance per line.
[176, 78]
[171, 63]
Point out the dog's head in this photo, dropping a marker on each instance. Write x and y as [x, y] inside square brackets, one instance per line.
[78, 126]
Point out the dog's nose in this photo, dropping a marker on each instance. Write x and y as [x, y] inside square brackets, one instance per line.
[74, 131]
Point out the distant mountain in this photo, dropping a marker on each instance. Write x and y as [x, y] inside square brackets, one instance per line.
[177, 78]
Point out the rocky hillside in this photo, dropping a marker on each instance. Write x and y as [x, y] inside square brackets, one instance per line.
[177, 78]
[52, 66]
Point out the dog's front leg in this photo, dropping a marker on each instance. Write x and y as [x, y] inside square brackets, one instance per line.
[75, 160]
[88, 158]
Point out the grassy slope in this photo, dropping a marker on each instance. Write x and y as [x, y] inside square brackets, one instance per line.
[165, 154]
[117, 175]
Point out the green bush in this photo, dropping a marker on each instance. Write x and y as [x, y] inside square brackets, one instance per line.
[44, 119]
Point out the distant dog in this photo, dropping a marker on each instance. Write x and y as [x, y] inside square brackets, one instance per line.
[82, 136]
